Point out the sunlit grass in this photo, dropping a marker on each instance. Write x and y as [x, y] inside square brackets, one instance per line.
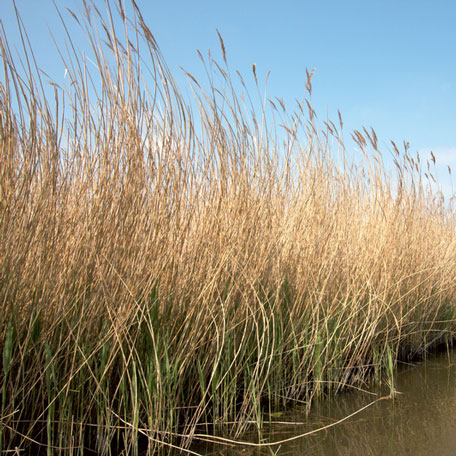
[166, 268]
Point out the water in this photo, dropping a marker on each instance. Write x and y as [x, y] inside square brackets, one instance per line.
[420, 421]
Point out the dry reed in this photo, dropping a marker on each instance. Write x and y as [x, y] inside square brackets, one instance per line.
[165, 268]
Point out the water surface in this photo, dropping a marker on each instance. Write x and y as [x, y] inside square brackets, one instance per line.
[420, 421]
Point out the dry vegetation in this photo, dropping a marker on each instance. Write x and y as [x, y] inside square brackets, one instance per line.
[163, 268]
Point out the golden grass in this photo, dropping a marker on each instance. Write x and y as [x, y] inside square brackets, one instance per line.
[165, 268]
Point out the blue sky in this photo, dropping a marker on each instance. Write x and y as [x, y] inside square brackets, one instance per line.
[386, 64]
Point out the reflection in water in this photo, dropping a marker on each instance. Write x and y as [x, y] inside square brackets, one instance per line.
[420, 421]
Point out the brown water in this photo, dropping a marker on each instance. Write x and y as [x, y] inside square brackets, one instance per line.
[420, 421]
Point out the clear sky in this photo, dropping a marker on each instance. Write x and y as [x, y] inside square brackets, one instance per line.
[389, 64]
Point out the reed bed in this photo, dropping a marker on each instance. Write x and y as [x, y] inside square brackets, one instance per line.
[169, 265]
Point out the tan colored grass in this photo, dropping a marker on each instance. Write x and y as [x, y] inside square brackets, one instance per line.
[187, 263]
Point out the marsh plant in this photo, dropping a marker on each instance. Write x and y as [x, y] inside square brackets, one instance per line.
[169, 264]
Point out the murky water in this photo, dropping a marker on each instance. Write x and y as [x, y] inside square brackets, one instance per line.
[420, 421]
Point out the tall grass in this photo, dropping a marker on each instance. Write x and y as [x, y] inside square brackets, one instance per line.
[166, 266]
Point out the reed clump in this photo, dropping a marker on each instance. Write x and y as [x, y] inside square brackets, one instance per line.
[168, 266]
